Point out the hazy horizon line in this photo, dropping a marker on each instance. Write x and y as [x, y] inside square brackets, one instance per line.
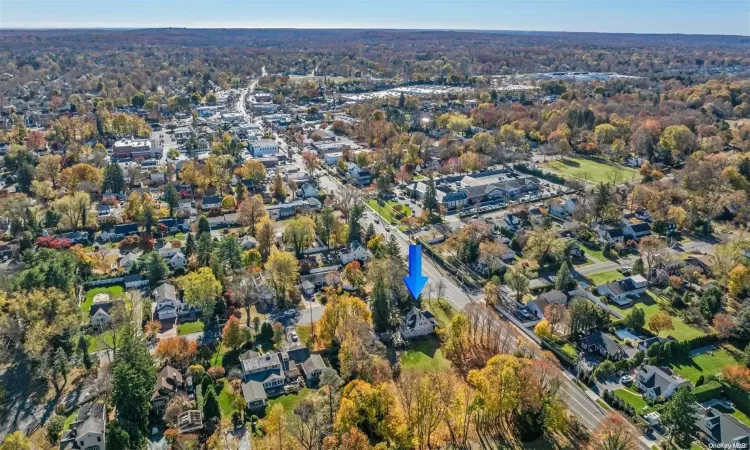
[461, 30]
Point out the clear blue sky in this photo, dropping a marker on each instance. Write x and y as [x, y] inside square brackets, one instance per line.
[636, 16]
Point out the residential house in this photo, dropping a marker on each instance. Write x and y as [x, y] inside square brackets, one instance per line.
[553, 297]
[88, 431]
[511, 222]
[308, 190]
[313, 368]
[642, 214]
[175, 225]
[637, 231]
[611, 235]
[272, 371]
[128, 259]
[655, 382]
[99, 313]
[703, 263]
[285, 210]
[602, 343]
[620, 291]
[254, 394]
[125, 229]
[361, 176]
[211, 202]
[417, 323]
[722, 430]
[248, 242]
[452, 200]
[76, 237]
[355, 251]
[168, 382]
[536, 216]
[166, 301]
[634, 161]
[178, 261]
[318, 275]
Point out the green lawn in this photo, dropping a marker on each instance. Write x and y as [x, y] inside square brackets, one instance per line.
[180, 236]
[590, 170]
[423, 355]
[649, 303]
[604, 277]
[634, 400]
[736, 413]
[70, 419]
[189, 327]
[387, 212]
[569, 350]
[225, 400]
[288, 401]
[594, 253]
[304, 332]
[113, 291]
[704, 364]
[441, 309]
[96, 344]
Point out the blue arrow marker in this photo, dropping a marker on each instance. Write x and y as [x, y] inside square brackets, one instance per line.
[415, 282]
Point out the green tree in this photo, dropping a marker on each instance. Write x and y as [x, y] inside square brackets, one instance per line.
[113, 179]
[211, 408]
[24, 177]
[355, 228]
[430, 196]
[564, 280]
[381, 305]
[229, 252]
[171, 198]
[16, 441]
[133, 380]
[325, 225]
[204, 227]
[635, 318]
[517, 280]
[204, 249]
[679, 417]
[710, 302]
[152, 266]
[299, 233]
[54, 428]
[201, 288]
[189, 245]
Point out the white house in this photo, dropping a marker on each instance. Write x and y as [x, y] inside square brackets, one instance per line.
[611, 235]
[88, 431]
[308, 190]
[637, 230]
[620, 292]
[127, 260]
[99, 314]
[177, 261]
[355, 251]
[167, 303]
[168, 251]
[634, 161]
[655, 382]
[264, 147]
[417, 323]
[211, 202]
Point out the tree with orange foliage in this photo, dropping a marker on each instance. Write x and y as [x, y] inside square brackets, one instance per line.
[724, 325]
[614, 433]
[353, 439]
[152, 328]
[232, 333]
[177, 351]
[737, 375]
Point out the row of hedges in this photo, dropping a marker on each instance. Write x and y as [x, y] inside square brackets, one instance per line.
[539, 173]
[740, 398]
[707, 391]
[702, 341]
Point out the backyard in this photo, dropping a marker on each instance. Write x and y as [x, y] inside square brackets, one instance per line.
[590, 170]
[289, 401]
[650, 304]
[706, 363]
[390, 209]
[604, 277]
[632, 399]
[441, 309]
[114, 292]
[423, 355]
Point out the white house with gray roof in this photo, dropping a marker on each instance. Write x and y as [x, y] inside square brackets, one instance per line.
[655, 382]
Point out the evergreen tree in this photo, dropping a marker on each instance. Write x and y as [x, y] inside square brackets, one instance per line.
[401, 101]
[189, 245]
[83, 350]
[635, 319]
[229, 252]
[171, 197]
[239, 192]
[149, 221]
[210, 405]
[369, 233]
[639, 267]
[430, 196]
[113, 179]
[355, 228]
[204, 227]
[24, 177]
[392, 248]
[133, 380]
[381, 305]
[564, 280]
[204, 249]
[679, 417]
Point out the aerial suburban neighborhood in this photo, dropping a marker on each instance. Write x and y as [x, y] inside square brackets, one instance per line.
[336, 239]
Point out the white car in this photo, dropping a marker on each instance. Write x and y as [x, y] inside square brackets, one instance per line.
[627, 379]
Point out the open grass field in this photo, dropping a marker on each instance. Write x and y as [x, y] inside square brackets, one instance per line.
[423, 355]
[114, 292]
[389, 210]
[289, 401]
[189, 327]
[593, 171]
[709, 363]
[225, 400]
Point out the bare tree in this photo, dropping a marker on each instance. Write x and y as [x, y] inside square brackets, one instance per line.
[309, 424]
[245, 292]
[346, 199]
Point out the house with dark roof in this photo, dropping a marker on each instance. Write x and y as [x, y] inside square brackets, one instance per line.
[602, 343]
[318, 275]
[637, 230]
[168, 382]
[88, 431]
[611, 235]
[211, 202]
[125, 229]
[722, 429]
[655, 382]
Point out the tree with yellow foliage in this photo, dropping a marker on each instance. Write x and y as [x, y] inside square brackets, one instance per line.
[338, 311]
[543, 329]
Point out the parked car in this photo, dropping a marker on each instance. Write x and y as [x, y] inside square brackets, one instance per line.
[626, 379]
